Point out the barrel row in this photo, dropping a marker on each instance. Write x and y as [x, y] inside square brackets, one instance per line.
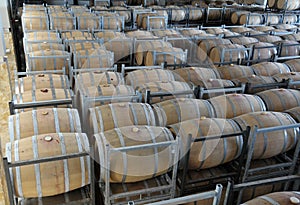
[193, 126]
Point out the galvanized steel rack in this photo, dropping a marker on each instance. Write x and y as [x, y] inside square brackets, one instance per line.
[167, 189]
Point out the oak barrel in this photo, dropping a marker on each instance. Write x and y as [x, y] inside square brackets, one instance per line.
[293, 76]
[94, 58]
[284, 4]
[62, 21]
[232, 53]
[108, 35]
[181, 109]
[34, 82]
[272, 143]
[210, 153]
[89, 79]
[242, 40]
[289, 48]
[280, 198]
[295, 113]
[83, 45]
[48, 60]
[64, 175]
[280, 99]
[108, 117]
[195, 74]
[169, 55]
[42, 121]
[232, 71]
[270, 68]
[294, 65]
[140, 77]
[268, 38]
[207, 44]
[254, 80]
[127, 167]
[121, 47]
[36, 46]
[233, 105]
[143, 47]
[263, 51]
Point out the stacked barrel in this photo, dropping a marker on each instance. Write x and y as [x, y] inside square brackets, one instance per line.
[147, 98]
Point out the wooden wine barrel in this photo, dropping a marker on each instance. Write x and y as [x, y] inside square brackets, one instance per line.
[89, 21]
[241, 29]
[62, 21]
[292, 37]
[94, 58]
[112, 22]
[280, 99]
[268, 38]
[233, 105]
[195, 13]
[145, 46]
[140, 77]
[241, 40]
[195, 74]
[254, 80]
[35, 22]
[181, 109]
[229, 55]
[157, 22]
[294, 76]
[89, 79]
[269, 68]
[235, 16]
[127, 167]
[177, 13]
[214, 14]
[169, 55]
[218, 31]
[46, 36]
[165, 87]
[48, 60]
[139, 34]
[169, 32]
[295, 113]
[43, 95]
[207, 44]
[289, 19]
[293, 64]
[215, 83]
[213, 152]
[140, 16]
[41, 81]
[232, 71]
[280, 198]
[108, 35]
[85, 45]
[108, 117]
[32, 47]
[64, 175]
[260, 53]
[284, 4]
[76, 35]
[121, 47]
[122, 11]
[42, 121]
[292, 50]
[103, 90]
[193, 32]
[273, 18]
[272, 143]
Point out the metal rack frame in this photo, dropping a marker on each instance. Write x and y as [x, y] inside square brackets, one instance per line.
[251, 87]
[7, 165]
[87, 102]
[170, 189]
[148, 95]
[190, 186]
[239, 61]
[216, 195]
[201, 91]
[150, 18]
[287, 165]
